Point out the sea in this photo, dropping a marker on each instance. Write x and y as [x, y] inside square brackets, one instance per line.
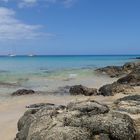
[50, 72]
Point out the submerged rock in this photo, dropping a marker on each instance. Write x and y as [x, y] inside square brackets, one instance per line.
[23, 92]
[114, 88]
[137, 57]
[129, 104]
[82, 90]
[85, 120]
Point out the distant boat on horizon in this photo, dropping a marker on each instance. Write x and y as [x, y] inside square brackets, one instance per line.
[31, 55]
[11, 55]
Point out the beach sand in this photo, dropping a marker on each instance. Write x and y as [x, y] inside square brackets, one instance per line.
[12, 108]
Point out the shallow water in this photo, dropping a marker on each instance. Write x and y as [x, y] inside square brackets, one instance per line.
[47, 73]
[52, 63]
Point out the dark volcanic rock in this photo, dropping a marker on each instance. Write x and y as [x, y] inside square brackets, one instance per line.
[117, 71]
[130, 104]
[45, 105]
[101, 136]
[132, 78]
[130, 98]
[112, 89]
[88, 107]
[85, 120]
[23, 92]
[129, 66]
[112, 71]
[79, 89]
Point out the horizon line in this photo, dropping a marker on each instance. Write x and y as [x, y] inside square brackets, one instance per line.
[70, 55]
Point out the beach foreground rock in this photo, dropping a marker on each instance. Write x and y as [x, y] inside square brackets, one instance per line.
[82, 90]
[114, 88]
[83, 120]
[23, 92]
[132, 78]
[129, 104]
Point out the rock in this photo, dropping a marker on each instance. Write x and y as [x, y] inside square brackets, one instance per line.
[88, 107]
[24, 124]
[132, 78]
[23, 92]
[117, 71]
[79, 89]
[137, 57]
[84, 120]
[114, 88]
[46, 105]
[40, 105]
[112, 71]
[130, 98]
[129, 104]
[129, 66]
[117, 125]
[137, 124]
[101, 136]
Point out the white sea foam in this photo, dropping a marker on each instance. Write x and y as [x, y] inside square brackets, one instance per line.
[72, 75]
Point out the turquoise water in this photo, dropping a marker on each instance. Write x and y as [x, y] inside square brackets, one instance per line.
[23, 67]
[49, 72]
[25, 64]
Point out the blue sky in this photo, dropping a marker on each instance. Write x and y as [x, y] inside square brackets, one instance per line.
[56, 27]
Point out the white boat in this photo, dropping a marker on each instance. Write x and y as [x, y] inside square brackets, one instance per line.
[31, 55]
[11, 55]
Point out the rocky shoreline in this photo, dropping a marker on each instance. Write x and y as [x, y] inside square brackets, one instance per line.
[88, 119]
[83, 120]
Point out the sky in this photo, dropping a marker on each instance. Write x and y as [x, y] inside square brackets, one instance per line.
[70, 27]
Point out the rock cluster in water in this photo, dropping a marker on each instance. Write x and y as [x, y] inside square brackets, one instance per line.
[122, 85]
[137, 57]
[132, 78]
[23, 92]
[117, 71]
[106, 90]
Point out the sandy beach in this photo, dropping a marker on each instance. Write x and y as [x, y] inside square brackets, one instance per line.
[14, 108]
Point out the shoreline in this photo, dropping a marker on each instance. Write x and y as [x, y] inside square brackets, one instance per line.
[14, 107]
